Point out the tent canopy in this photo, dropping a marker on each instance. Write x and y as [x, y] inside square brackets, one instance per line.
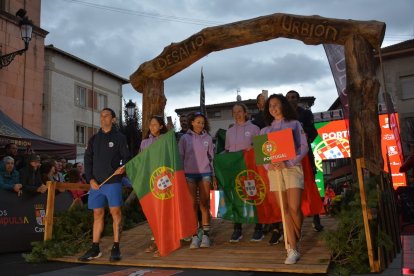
[11, 132]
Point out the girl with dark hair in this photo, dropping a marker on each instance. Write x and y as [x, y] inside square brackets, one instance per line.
[240, 137]
[286, 177]
[157, 127]
[196, 150]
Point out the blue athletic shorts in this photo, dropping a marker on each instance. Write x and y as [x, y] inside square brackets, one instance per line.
[111, 193]
[197, 177]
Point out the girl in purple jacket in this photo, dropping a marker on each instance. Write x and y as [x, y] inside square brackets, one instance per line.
[157, 127]
[196, 150]
[240, 137]
[287, 176]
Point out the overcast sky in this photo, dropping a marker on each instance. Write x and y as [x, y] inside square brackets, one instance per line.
[120, 35]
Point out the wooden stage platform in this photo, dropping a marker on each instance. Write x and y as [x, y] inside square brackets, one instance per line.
[222, 255]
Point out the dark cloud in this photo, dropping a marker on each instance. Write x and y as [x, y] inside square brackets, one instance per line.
[120, 35]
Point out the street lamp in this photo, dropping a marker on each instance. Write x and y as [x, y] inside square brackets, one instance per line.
[26, 27]
[130, 107]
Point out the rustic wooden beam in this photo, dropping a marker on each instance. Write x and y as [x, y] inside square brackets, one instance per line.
[50, 203]
[311, 30]
[50, 210]
[153, 101]
[363, 88]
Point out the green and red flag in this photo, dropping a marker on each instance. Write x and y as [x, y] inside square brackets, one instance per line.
[246, 189]
[245, 186]
[157, 177]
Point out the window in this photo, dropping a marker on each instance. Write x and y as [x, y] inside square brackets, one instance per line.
[214, 114]
[407, 87]
[409, 129]
[4, 5]
[101, 101]
[80, 135]
[80, 96]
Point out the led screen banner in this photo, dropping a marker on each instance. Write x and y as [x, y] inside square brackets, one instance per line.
[333, 143]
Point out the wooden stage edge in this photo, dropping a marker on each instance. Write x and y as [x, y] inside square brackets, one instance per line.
[222, 255]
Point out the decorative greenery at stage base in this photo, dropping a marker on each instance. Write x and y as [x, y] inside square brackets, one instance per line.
[72, 231]
[347, 242]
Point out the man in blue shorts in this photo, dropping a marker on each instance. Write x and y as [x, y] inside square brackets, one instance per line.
[105, 156]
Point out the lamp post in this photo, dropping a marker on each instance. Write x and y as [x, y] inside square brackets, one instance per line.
[130, 107]
[26, 27]
[131, 128]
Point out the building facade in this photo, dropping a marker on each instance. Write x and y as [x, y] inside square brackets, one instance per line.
[21, 82]
[220, 115]
[398, 64]
[75, 92]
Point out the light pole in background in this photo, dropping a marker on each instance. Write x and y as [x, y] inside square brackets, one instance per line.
[131, 128]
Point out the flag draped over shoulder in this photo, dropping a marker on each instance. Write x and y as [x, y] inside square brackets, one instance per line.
[246, 190]
[158, 179]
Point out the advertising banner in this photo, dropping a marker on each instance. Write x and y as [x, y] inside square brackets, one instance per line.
[22, 218]
[333, 143]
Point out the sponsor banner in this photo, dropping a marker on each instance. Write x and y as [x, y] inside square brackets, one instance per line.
[274, 147]
[22, 218]
[390, 146]
[333, 143]
[336, 58]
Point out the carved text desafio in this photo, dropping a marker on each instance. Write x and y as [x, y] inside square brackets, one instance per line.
[180, 52]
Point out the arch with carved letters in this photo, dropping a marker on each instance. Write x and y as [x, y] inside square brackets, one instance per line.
[360, 40]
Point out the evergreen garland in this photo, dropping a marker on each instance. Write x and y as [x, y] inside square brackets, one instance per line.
[72, 231]
[349, 253]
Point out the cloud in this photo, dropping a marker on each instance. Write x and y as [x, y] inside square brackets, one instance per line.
[120, 35]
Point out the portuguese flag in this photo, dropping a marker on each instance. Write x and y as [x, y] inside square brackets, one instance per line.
[157, 177]
[246, 189]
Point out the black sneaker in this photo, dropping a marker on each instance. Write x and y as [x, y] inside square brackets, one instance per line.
[115, 254]
[257, 235]
[236, 236]
[317, 227]
[277, 237]
[91, 254]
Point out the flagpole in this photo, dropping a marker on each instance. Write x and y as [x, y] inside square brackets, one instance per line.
[282, 209]
[106, 180]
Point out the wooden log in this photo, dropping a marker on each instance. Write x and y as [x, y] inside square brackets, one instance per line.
[153, 101]
[311, 30]
[72, 186]
[373, 263]
[363, 89]
[50, 210]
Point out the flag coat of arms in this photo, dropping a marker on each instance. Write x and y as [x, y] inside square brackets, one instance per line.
[246, 197]
[157, 177]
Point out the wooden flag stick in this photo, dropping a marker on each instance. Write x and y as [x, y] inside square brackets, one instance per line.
[282, 209]
[106, 180]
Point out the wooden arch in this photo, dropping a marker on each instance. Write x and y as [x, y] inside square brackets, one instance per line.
[360, 38]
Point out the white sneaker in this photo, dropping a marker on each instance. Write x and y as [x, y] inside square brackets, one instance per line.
[205, 242]
[293, 257]
[195, 243]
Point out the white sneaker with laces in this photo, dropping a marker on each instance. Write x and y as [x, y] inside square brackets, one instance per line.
[293, 257]
[195, 243]
[205, 242]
